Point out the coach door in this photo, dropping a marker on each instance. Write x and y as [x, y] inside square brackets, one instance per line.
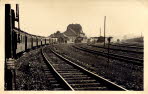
[25, 42]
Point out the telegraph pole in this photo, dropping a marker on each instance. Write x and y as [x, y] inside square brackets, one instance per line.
[104, 28]
[109, 40]
[100, 31]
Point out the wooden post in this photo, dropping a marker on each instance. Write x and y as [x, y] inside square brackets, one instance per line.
[108, 48]
[100, 31]
[10, 48]
[109, 40]
[104, 29]
[11, 67]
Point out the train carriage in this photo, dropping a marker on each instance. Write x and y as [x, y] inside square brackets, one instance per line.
[34, 41]
[39, 41]
[25, 41]
[20, 41]
[43, 41]
[28, 41]
[50, 40]
[54, 40]
[47, 40]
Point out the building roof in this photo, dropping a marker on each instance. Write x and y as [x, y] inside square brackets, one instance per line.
[74, 30]
[70, 32]
[99, 37]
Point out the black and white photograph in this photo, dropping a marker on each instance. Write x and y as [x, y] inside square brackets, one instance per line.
[73, 45]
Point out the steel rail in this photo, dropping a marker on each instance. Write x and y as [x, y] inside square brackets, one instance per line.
[117, 49]
[58, 75]
[110, 84]
[135, 47]
[114, 56]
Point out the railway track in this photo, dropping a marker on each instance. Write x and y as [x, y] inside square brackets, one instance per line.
[113, 56]
[128, 46]
[74, 76]
[34, 73]
[117, 49]
[54, 81]
[57, 82]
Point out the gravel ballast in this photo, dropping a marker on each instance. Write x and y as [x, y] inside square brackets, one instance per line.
[125, 74]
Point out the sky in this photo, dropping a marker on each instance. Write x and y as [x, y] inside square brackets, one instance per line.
[123, 17]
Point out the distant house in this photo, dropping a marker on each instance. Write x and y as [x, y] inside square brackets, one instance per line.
[97, 39]
[61, 38]
[101, 39]
[93, 39]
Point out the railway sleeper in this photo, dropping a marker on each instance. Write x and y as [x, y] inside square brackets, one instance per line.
[91, 88]
[87, 85]
[60, 71]
[81, 81]
[58, 88]
[74, 76]
[61, 67]
[72, 73]
[77, 78]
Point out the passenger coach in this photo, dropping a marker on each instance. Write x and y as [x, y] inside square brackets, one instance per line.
[24, 41]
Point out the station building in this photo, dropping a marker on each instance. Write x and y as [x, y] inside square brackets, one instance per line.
[73, 34]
